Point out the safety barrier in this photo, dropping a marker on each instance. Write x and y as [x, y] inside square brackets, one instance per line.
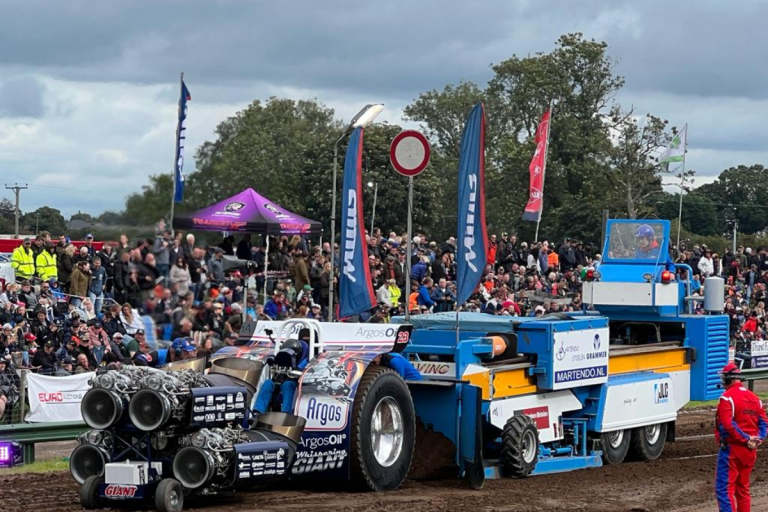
[27, 434]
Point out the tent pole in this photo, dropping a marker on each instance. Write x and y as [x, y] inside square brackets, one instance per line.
[266, 266]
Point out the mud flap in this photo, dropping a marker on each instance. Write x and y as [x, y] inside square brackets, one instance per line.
[471, 436]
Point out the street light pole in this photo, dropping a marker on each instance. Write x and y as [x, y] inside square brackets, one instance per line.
[375, 193]
[362, 118]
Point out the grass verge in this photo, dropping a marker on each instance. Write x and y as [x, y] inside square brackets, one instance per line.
[713, 403]
[40, 466]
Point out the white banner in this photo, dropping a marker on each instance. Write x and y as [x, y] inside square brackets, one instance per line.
[56, 398]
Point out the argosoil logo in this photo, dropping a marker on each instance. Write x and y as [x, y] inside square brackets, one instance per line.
[324, 414]
[60, 397]
[120, 491]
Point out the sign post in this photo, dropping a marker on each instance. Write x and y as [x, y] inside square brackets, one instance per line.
[409, 154]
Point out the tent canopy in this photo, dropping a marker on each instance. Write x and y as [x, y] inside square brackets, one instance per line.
[247, 212]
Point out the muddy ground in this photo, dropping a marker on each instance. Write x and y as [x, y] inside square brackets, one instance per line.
[681, 481]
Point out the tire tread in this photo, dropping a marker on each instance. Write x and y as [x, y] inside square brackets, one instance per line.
[511, 452]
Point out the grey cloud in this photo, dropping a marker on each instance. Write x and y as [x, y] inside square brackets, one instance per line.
[22, 97]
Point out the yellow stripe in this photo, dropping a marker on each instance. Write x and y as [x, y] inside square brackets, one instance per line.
[481, 380]
[505, 383]
[659, 362]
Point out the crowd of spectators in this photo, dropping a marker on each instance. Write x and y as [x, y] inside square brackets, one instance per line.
[75, 309]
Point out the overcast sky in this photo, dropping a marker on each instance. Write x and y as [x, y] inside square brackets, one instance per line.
[88, 89]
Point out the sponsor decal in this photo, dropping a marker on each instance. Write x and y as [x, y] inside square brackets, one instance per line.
[199, 399]
[229, 416]
[199, 408]
[209, 400]
[120, 491]
[278, 214]
[210, 417]
[469, 230]
[369, 333]
[198, 418]
[661, 392]
[539, 415]
[319, 442]
[234, 206]
[593, 372]
[430, 368]
[309, 462]
[245, 474]
[221, 407]
[350, 237]
[60, 397]
[579, 358]
[239, 397]
[324, 413]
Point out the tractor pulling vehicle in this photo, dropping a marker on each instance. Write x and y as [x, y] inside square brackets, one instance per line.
[514, 396]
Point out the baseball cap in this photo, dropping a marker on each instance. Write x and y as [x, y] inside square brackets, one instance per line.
[89, 236]
[316, 306]
[49, 344]
[188, 347]
[29, 336]
[219, 250]
[307, 287]
[7, 326]
[97, 324]
[117, 336]
[66, 360]
[139, 331]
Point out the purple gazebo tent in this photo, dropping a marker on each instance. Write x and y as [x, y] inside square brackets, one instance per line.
[248, 212]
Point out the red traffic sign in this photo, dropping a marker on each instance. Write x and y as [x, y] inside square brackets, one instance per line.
[409, 152]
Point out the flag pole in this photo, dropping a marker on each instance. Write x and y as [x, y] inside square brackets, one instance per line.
[176, 153]
[682, 184]
[544, 168]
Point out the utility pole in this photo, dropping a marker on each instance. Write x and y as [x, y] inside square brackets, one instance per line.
[16, 190]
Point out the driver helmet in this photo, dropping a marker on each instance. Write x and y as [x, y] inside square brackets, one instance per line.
[730, 372]
[645, 231]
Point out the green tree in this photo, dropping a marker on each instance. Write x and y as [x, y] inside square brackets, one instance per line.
[741, 191]
[699, 213]
[635, 174]
[152, 204]
[7, 209]
[111, 218]
[44, 218]
[85, 217]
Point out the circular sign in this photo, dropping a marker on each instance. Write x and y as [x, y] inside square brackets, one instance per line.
[409, 152]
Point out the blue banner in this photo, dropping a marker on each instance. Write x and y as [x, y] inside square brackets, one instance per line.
[355, 288]
[472, 237]
[181, 135]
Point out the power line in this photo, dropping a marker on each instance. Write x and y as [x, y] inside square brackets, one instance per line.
[16, 190]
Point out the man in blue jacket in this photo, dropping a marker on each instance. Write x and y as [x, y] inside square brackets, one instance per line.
[401, 365]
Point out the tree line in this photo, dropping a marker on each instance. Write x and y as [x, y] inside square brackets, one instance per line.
[602, 156]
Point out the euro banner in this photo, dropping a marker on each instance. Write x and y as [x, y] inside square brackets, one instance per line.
[56, 398]
[472, 234]
[536, 169]
[355, 288]
[181, 136]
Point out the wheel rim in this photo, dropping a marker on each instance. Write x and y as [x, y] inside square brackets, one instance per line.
[529, 446]
[387, 432]
[615, 438]
[173, 498]
[652, 433]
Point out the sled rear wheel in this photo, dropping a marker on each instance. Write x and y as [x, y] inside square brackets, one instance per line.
[519, 446]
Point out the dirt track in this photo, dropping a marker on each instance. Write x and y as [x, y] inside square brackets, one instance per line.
[674, 483]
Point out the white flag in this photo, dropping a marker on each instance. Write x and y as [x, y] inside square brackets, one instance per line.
[676, 150]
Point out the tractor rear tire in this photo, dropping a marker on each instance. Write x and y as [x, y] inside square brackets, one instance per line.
[383, 433]
[648, 442]
[615, 446]
[169, 496]
[519, 446]
[89, 493]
